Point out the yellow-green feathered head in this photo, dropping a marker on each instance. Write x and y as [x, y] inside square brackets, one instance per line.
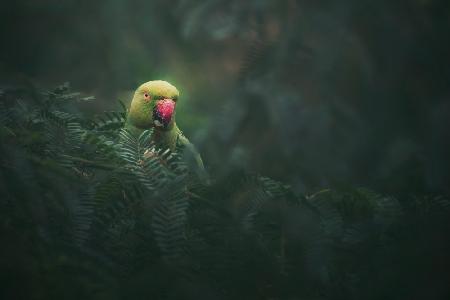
[153, 105]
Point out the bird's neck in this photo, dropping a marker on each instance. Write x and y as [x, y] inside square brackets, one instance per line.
[167, 138]
[162, 138]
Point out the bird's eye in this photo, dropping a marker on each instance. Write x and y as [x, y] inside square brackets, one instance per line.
[146, 96]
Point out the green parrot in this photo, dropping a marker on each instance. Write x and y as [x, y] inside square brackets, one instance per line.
[153, 106]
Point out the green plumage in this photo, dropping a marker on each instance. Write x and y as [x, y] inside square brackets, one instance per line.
[141, 117]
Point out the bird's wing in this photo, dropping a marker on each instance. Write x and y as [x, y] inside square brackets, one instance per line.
[193, 158]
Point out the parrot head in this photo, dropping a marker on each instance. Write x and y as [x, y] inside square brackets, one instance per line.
[153, 105]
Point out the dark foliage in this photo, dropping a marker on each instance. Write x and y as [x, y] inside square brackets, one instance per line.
[89, 211]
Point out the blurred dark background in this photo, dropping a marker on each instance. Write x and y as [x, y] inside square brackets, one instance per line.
[312, 93]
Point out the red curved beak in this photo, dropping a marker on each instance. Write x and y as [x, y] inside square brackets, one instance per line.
[164, 111]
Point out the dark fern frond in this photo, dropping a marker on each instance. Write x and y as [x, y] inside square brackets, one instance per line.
[152, 166]
[63, 116]
[139, 156]
[387, 211]
[104, 149]
[83, 217]
[5, 115]
[253, 201]
[109, 121]
[132, 149]
[114, 215]
[63, 94]
[331, 218]
[169, 224]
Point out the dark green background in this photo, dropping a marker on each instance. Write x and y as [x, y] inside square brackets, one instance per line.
[316, 93]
